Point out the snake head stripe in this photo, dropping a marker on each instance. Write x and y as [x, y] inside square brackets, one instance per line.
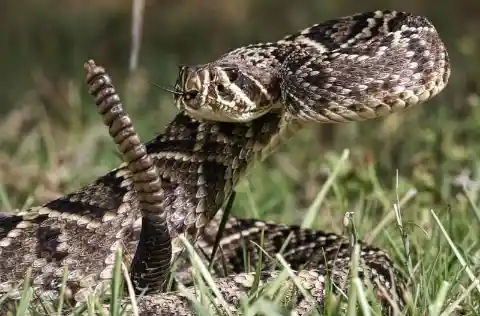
[224, 92]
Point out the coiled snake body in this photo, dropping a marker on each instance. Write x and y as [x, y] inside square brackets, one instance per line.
[238, 109]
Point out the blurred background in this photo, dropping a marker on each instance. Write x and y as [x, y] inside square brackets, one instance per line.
[52, 140]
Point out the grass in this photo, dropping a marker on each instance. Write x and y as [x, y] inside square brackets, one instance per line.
[410, 181]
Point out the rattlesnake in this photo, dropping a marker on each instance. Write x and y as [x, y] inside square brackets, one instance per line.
[235, 111]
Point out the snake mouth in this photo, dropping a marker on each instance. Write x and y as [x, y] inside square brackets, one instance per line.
[225, 115]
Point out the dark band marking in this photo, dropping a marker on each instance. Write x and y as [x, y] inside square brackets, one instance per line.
[47, 243]
[7, 223]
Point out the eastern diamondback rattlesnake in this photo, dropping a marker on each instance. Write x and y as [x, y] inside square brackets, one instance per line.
[235, 111]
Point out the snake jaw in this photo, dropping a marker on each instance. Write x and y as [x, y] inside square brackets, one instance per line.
[220, 110]
[225, 114]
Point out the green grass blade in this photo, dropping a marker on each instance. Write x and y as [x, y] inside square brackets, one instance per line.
[198, 264]
[352, 292]
[62, 290]
[116, 284]
[27, 293]
[314, 208]
[459, 256]
[437, 305]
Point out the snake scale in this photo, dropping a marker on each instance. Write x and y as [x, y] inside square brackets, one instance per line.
[235, 111]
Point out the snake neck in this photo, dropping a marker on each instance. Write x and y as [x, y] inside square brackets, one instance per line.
[201, 162]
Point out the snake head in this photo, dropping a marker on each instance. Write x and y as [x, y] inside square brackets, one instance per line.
[225, 93]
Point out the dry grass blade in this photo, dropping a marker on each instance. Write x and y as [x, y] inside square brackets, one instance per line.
[138, 8]
[131, 290]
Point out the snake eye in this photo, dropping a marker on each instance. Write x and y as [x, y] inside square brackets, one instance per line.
[190, 95]
[232, 74]
[221, 88]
